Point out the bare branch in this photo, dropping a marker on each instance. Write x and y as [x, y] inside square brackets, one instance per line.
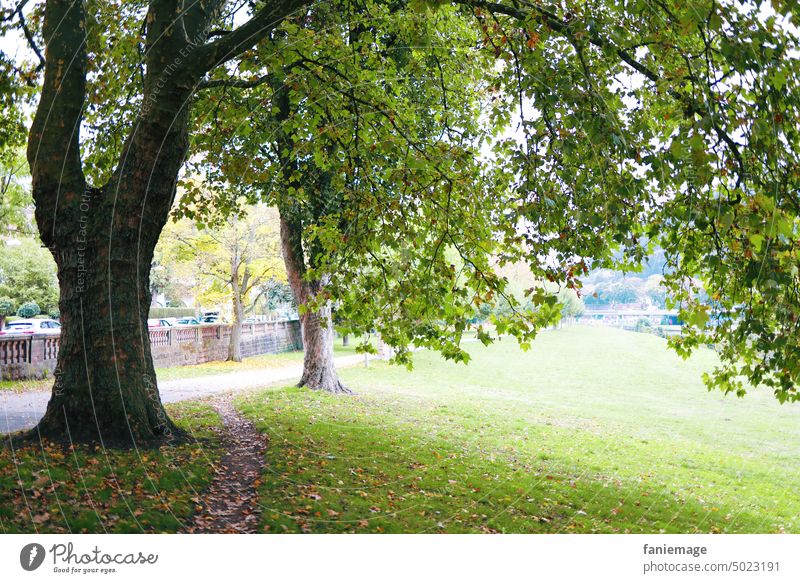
[29, 36]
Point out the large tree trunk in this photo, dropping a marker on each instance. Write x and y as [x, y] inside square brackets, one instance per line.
[105, 383]
[319, 369]
[102, 240]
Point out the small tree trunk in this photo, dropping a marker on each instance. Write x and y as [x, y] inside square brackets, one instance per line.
[319, 370]
[235, 346]
[345, 340]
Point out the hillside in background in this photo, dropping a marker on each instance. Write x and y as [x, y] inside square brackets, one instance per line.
[607, 287]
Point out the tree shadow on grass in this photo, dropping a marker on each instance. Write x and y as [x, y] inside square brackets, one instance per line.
[365, 465]
[53, 487]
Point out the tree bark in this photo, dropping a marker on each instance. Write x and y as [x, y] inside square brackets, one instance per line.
[105, 384]
[235, 346]
[319, 369]
[102, 240]
[105, 381]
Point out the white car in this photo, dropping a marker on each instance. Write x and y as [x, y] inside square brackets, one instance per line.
[32, 326]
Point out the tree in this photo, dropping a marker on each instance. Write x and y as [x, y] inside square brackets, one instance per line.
[277, 294]
[655, 292]
[628, 120]
[335, 144]
[571, 304]
[232, 261]
[6, 309]
[669, 125]
[102, 234]
[164, 283]
[17, 82]
[27, 273]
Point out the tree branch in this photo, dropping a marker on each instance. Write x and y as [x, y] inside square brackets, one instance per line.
[234, 83]
[29, 36]
[53, 143]
[246, 36]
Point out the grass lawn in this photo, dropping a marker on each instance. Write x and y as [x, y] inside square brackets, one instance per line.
[262, 361]
[592, 430]
[27, 385]
[217, 367]
[50, 488]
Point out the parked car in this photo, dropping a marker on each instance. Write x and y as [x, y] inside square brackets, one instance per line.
[158, 323]
[210, 319]
[187, 322]
[32, 326]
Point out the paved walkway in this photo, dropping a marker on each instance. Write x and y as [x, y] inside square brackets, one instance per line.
[20, 411]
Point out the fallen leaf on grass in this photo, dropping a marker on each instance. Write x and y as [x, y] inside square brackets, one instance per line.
[41, 518]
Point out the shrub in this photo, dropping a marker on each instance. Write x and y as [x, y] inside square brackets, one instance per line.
[54, 313]
[28, 310]
[6, 307]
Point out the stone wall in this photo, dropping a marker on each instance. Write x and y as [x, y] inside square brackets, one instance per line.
[25, 357]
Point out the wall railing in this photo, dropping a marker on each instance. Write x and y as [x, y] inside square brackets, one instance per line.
[30, 348]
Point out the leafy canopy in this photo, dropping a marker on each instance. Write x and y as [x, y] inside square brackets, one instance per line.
[614, 128]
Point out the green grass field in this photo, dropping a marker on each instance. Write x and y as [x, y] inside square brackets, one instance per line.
[592, 430]
[218, 367]
[260, 362]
